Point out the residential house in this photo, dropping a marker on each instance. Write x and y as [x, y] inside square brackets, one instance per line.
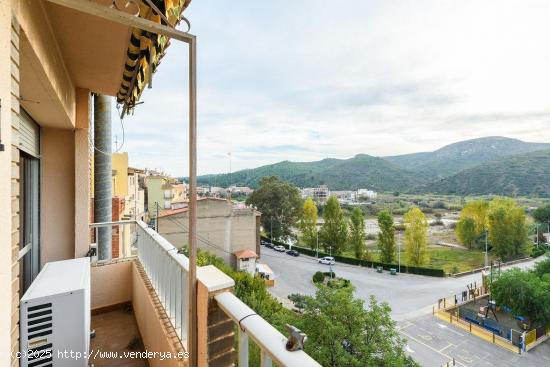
[223, 228]
[57, 53]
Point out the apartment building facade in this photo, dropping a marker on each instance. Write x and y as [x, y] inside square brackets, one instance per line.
[58, 53]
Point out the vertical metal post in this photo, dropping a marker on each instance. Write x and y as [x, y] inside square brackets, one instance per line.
[243, 349]
[266, 360]
[192, 331]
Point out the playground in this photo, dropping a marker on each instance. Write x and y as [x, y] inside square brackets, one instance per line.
[476, 313]
[493, 318]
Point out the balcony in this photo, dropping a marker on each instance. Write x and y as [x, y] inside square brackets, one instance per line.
[140, 303]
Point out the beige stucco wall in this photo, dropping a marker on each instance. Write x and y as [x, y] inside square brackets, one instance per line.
[8, 237]
[56, 90]
[222, 229]
[111, 284]
[82, 171]
[57, 230]
[154, 335]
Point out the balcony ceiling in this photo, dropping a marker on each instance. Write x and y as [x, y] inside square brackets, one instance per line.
[94, 49]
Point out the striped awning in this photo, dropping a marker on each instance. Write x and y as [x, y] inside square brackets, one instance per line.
[145, 49]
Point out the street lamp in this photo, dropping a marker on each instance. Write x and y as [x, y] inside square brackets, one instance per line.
[317, 250]
[399, 251]
[330, 261]
[486, 240]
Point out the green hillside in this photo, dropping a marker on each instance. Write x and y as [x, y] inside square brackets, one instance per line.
[523, 174]
[453, 158]
[361, 171]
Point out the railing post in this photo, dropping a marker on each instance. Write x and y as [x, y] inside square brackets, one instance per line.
[266, 360]
[243, 349]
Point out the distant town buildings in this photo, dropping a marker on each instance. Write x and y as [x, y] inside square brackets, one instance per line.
[321, 193]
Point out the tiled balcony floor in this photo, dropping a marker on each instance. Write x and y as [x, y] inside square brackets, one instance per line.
[116, 331]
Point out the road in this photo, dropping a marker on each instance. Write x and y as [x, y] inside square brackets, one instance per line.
[409, 295]
[430, 341]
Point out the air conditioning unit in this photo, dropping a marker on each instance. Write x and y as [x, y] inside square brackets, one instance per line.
[55, 316]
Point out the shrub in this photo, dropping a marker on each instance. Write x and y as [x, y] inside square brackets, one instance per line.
[327, 274]
[338, 283]
[538, 252]
[318, 277]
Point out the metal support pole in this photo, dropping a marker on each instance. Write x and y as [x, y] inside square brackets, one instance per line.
[103, 174]
[192, 332]
[486, 240]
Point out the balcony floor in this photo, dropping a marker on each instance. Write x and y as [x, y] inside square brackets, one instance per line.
[115, 331]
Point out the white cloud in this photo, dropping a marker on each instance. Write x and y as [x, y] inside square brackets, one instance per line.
[337, 79]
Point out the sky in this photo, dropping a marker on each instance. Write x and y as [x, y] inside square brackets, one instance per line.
[309, 79]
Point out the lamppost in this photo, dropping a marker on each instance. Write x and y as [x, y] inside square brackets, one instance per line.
[399, 251]
[486, 240]
[330, 261]
[317, 250]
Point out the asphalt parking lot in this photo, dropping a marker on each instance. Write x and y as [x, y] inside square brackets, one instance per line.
[429, 340]
[433, 342]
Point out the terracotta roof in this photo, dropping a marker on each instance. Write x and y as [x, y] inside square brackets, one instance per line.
[168, 212]
[245, 254]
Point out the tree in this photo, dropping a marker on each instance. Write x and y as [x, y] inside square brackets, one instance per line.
[466, 231]
[280, 205]
[386, 237]
[341, 332]
[416, 237]
[308, 223]
[507, 228]
[542, 214]
[526, 293]
[334, 232]
[477, 211]
[357, 233]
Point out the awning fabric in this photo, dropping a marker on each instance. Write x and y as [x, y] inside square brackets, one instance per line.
[145, 49]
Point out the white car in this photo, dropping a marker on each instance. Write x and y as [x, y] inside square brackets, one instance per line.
[279, 248]
[328, 260]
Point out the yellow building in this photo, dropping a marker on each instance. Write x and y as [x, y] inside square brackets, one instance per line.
[120, 174]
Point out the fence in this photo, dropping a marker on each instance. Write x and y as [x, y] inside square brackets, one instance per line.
[491, 337]
[361, 262]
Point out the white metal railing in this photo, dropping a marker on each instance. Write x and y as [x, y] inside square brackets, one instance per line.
[166, 269]
[270, 341]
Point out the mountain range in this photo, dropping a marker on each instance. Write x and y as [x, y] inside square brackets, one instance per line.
[491, 165]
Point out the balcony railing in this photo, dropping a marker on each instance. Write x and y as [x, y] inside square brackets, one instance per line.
[167, 271]
[267, 338]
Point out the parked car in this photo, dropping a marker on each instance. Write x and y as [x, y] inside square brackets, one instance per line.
[293, 253]
[279, 248]
[268, 244]
[327, 260]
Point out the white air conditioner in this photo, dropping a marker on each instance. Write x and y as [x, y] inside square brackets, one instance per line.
[55, 316]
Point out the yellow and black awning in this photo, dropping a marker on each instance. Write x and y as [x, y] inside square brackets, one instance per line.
[146, 49]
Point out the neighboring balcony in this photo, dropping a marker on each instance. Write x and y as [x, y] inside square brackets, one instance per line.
[140, 303]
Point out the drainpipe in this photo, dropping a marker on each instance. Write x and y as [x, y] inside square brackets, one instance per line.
[103, 174]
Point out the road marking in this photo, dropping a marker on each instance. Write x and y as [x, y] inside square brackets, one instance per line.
[450, 345]
[433, 349]
[441, 326]
[408, 349]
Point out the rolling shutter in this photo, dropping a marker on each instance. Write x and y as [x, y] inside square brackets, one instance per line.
[29, 135]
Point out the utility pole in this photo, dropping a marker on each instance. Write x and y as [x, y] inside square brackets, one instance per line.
[271, 230]
[157, 218]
